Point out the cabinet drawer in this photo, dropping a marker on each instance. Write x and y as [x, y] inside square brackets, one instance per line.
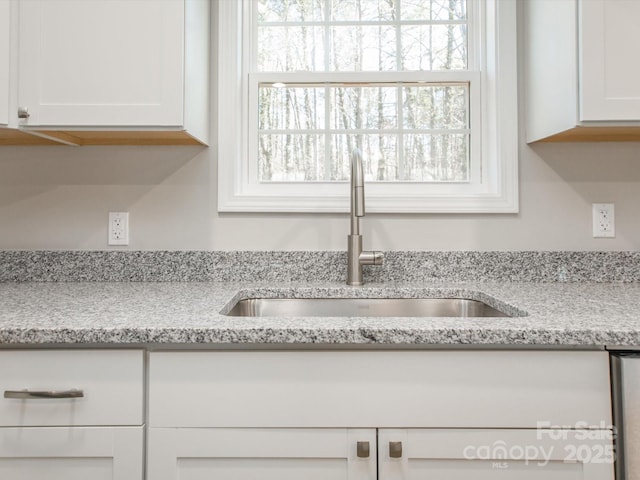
[465, 389]
[111, 383]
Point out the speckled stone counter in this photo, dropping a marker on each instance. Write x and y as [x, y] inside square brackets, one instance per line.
[568, 315]
[321, 266]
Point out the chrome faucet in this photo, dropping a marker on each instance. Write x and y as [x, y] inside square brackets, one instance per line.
[356, 258]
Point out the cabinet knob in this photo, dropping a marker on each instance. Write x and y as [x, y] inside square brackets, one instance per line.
[395, 449]
[363, 450]
[23, 112]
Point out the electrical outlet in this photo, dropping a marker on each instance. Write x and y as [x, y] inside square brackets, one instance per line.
[604, 220]
[118, 228]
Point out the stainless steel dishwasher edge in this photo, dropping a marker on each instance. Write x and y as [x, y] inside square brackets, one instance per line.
[625, 381]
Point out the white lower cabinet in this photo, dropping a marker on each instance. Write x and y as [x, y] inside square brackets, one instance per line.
[267, 454]
[369, 454]
[71, 453]
[72, 415]
[488, 454]
[379, 415]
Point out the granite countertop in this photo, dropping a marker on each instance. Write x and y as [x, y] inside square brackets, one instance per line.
[189, 313]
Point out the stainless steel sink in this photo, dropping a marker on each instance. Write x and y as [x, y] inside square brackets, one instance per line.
[363, 307]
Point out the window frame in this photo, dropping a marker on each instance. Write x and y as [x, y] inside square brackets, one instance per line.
[493, 111]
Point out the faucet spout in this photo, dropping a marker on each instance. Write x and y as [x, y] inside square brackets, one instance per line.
[356, 258]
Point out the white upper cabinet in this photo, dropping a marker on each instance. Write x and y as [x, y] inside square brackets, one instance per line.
[5, 41]
[89, 69]
[9, 134]
[101, 63]
[610, 73]
[581, 79]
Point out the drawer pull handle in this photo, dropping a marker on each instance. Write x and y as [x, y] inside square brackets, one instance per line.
[395, 449]
[27, 394]
[363, 450]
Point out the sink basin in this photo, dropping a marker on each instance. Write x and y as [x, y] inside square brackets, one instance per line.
[363, 307]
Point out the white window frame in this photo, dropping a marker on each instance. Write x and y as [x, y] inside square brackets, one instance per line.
[497, 191]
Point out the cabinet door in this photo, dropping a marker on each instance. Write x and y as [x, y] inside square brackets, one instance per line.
[268, 454]
[5, 41]
[101, 62]
[459, 454]
[71, 453]
[610, 74]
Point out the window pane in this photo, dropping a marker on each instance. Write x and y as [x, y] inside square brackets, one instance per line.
[291, 49]
[295, 108]
[290, 10]
[436, 158]
[434, 10]
[363, 108]
[363, 48]
[438, 107]
[379, 156]
[363, 10]
[434, 47]
[291, 157]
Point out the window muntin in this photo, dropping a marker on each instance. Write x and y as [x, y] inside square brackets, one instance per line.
[361, 35]
[407, 131]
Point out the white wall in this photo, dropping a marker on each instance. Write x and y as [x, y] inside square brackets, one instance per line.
[58, 198]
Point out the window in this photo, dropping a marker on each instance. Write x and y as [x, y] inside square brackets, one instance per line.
[424, 89]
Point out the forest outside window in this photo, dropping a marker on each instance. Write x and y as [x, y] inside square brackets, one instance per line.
[412, 84]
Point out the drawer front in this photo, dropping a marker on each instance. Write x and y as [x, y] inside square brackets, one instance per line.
[465, 389]
[111, 382]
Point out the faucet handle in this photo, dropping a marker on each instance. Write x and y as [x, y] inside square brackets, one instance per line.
[371, 258]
